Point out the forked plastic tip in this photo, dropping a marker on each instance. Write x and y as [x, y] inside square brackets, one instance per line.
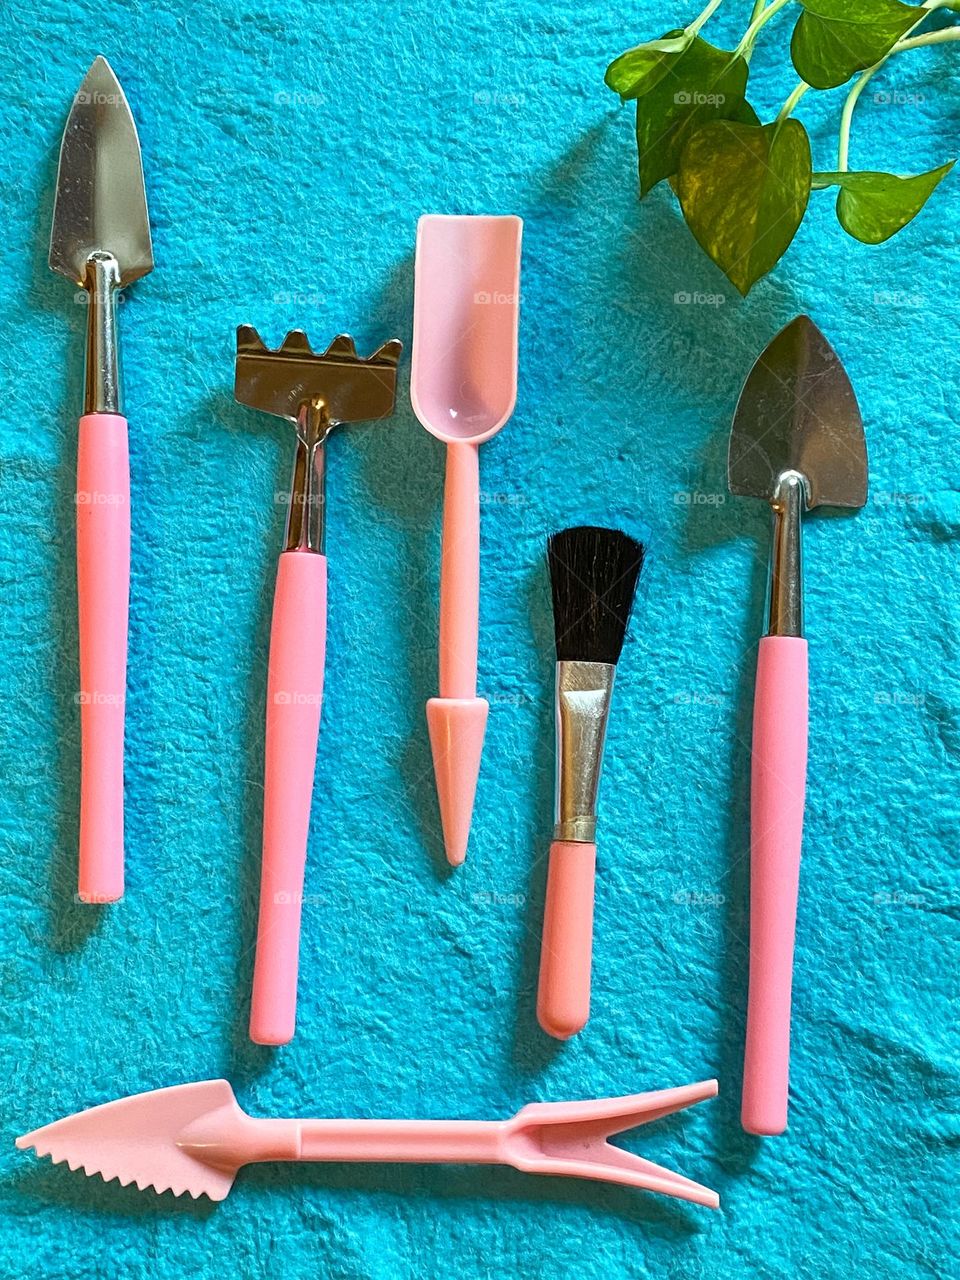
[457, 727]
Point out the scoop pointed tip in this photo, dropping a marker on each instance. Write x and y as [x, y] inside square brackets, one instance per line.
[456, 854]
[457, 727]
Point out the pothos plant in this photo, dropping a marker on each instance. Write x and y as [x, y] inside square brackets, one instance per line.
[744, 185]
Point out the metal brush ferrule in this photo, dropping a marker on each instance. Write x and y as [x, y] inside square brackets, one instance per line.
[583, 704]
[306, 517]
[101, 386]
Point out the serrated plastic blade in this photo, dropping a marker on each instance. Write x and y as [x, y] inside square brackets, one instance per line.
[135, 1140]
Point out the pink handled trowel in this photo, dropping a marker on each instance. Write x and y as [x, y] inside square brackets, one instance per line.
[101, 242]
[315, 393]
[463, 386]
[797, 442]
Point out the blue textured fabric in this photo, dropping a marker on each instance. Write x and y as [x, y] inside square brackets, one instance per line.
[289, 150]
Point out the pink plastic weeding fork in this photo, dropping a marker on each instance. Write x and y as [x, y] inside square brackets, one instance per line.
[192, 1138]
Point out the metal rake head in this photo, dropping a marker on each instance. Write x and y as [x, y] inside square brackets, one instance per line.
[284, 381]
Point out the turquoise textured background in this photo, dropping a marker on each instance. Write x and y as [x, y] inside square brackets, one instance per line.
[289, 150]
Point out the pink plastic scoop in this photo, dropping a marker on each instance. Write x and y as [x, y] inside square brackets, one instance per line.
[463, 386]
[194, 1137]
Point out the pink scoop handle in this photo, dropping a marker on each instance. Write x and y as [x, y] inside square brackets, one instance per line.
[460, 573]
[294, 696]
[103, 597]
[563, 996]
[776, 830]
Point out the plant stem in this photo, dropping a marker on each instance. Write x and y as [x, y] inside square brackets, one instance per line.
[928, 37]
[846, 116]
[787, 108]
[759, 19]
[704, 17]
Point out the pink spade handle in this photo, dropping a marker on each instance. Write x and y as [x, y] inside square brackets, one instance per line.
[103, 597]
[294, 696]
[563, 996]
[776, 820]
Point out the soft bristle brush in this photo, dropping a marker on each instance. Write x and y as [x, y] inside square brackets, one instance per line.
[593, 575]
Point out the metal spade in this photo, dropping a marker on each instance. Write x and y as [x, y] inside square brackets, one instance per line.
[797, 441]
[101, 242]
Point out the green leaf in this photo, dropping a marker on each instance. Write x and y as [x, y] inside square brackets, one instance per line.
[743, 191]
[745, 114]
[703, 84]
[872, 207]
[636, 72]
[833, 39]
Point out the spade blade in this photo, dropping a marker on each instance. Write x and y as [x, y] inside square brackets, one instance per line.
[101, 204]
[798, 412]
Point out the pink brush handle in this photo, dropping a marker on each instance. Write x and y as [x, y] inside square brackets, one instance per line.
[103, 596]
[294, 695]
[460, 573]
[776, 820]
[563, 997]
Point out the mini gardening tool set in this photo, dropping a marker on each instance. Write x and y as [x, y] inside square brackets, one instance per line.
[797, 443]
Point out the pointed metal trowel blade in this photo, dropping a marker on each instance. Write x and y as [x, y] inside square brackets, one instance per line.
[101, 204]
[798, 412]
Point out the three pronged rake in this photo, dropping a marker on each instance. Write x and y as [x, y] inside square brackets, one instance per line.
[315, 392]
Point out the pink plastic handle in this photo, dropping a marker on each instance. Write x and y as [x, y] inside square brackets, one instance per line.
[294, 696]
[776, 820]
[460, 573]
[103, 600]
[563, 997]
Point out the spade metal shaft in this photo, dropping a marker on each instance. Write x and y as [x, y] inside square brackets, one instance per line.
[797, 442]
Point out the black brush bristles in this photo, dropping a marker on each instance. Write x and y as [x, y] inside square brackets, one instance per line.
[593, 575]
